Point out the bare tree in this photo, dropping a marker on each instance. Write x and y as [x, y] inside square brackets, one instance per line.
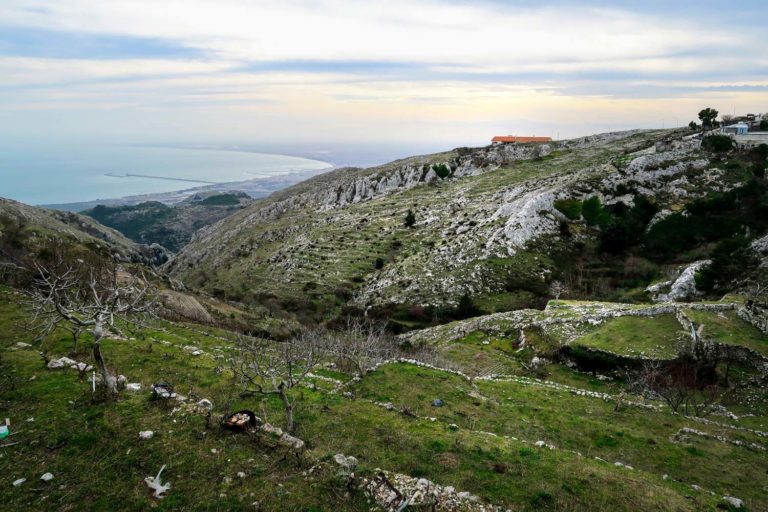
[86, 297]
[558, 288]
[679, 386]
[362, 344]
[275, 368]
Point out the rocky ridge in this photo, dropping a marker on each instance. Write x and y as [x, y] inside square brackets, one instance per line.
[491, 204]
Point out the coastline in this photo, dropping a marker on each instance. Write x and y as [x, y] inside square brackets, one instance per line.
[256, 188]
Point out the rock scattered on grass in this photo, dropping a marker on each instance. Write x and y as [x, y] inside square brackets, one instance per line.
[146, 434]
[734, 502]
[47, 477]
[65, 362]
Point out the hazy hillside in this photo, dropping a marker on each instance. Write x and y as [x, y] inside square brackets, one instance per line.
[606, 215]
[170, 226]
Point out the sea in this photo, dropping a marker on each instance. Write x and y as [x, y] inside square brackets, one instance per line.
[47, 174]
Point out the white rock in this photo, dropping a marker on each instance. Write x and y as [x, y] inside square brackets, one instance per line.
[47, 477]
[240, 474]
[18, 482]
[133, 386]
[205, 404]
[62, 362]
[146, 434]
[736, 502]
[21, 344]
[684, 287]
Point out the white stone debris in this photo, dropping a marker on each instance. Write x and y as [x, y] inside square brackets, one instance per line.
[18, 482]
[735, 502]
[283, 439]
[347, 465]
[146, 434]
[133, 386]
[156, 484]
[205, 404]
[65, 362]
[395, 492]
[192, 350]
[46, 477]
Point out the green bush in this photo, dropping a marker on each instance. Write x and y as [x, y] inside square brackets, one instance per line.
[571, 208]
[717, 143]
[592, 211]
[442, 170]
[729, 259]
[714, 218]
[410, 219]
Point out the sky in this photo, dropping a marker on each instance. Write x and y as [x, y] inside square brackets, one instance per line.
[443, 73]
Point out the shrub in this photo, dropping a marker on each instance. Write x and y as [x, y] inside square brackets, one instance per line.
[729, 259]
[571, 208]
[442, 170]
[410, 219]
[466, 308]
[717, 143]
[379, 263]
[592, 211]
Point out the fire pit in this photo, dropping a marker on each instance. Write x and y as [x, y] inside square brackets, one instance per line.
[241, 421]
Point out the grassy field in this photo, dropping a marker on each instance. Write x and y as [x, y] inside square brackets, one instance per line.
[482, 440]
[656, 337]
[727, 327]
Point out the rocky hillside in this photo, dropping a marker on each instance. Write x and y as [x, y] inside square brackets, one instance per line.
[496, 224]
[28, 231]
[170, 226]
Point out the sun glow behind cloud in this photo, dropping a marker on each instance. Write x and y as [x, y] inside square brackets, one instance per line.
[340, 70]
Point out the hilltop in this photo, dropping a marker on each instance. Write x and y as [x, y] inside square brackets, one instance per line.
[497, 225]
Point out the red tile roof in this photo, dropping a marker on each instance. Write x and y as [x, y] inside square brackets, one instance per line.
[510, 138]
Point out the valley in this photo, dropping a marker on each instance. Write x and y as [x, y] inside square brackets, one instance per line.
[576, 325]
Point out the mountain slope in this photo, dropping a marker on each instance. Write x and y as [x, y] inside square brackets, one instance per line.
[170, 226]
[494, 227]
[29, 231]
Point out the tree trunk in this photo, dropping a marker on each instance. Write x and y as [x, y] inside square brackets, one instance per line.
[109, 380]
[288, 406]
[75, 339]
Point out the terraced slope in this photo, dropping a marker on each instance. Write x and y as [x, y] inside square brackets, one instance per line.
[488, 223]
[516, 442]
